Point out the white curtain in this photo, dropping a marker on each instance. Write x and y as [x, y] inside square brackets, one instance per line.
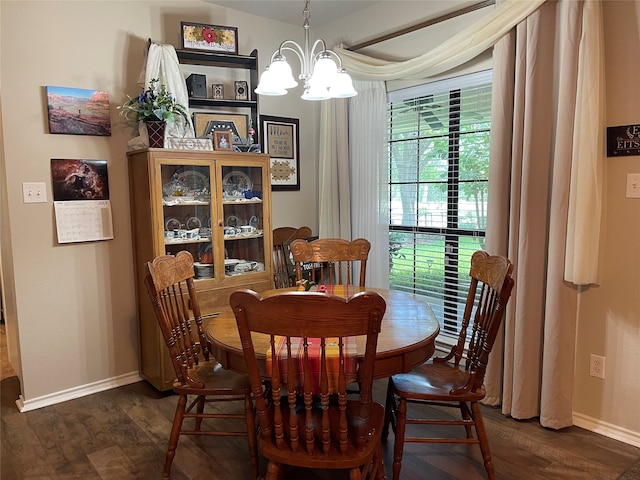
[334, 188]
[545, 186]
[352, 174]
[451, 53]
[368, 172]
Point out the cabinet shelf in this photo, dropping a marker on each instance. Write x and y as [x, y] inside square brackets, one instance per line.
[190, 57]
[242, 237]
[221, 102]
[182, 241]
[240, 202]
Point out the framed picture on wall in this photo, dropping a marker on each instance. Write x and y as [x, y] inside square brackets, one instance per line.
[78, 111]
[209, 38]
[280, 138]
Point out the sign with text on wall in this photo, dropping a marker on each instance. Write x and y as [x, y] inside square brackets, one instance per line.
[623, 140]
[281, 140]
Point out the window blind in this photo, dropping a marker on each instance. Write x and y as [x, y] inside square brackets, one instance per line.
[438, 139]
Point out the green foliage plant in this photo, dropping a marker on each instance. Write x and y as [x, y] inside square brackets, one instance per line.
[154, 104]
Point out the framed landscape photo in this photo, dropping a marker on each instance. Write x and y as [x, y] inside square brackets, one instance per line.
[78, 111]
[280, 138]
[209, 38]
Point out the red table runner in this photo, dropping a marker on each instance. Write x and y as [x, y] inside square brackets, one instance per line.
[332, 361]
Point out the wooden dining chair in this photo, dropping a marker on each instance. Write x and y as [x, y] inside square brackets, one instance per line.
[333, 260]
[305, 419]
[169, 282]
[282, 266]
[457, 379]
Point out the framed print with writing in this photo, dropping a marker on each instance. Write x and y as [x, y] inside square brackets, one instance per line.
[210, 38]
[280, 138]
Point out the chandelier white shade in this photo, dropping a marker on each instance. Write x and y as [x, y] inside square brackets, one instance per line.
[322, 77]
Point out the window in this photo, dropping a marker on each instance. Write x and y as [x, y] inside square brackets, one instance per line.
[438, 182]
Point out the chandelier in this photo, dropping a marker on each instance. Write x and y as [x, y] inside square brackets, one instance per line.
[322, 77]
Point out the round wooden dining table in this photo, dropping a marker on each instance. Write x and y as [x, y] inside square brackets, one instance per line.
[406, 340]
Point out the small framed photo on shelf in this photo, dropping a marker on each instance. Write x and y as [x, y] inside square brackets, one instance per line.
[222, 140]
[209, 38]
[242, 90]
[217, 91]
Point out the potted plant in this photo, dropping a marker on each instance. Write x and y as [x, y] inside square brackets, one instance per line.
[155, 106]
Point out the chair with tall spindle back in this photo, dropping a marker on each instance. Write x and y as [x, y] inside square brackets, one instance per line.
[170, 285]
[455, 380]
[337, 260]
[306, 419]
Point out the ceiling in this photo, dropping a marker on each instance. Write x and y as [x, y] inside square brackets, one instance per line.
[290, 11]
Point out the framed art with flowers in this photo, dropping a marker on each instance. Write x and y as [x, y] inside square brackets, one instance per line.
[209, 38]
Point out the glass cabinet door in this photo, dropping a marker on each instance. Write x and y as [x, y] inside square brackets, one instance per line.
[186, 208]
[242, 187]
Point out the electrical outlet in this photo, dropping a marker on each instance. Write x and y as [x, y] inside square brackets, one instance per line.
[633, 185]
[596, 366]
[34, 192]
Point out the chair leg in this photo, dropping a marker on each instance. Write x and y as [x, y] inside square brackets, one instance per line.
[398, 446]
[466, 415]
[355, 474]
[484, 440]
[199, 411]
[174, 436]
[388, 411]
[273, 471]
[379, 464]
[251, 433]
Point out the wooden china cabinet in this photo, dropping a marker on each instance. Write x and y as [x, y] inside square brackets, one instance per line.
[216, 205]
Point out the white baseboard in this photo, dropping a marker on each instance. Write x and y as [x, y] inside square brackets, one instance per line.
[77, 392]
[607, 429]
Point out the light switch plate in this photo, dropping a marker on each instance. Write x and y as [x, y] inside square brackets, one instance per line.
[34, 192]
[633, 185]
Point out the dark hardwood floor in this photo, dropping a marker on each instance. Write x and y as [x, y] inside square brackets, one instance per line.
[122, 433]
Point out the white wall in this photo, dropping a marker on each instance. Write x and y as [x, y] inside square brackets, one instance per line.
[609, 321]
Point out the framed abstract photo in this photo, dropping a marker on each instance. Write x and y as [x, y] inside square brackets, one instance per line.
[280, 138]
[209, 38]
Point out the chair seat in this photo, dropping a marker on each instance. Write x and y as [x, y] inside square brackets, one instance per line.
[216, 380]
[434, 381]
[354, 453]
